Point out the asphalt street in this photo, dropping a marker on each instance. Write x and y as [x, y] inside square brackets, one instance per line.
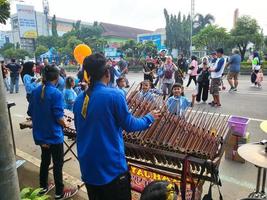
[238, 179]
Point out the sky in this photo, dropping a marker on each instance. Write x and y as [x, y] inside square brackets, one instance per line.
[148, 14]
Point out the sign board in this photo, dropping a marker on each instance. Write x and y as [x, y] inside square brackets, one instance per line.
[142, 176]
[26, 21]
[155, 38]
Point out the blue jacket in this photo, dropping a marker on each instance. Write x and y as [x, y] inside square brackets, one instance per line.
[29, 83]
[45, 113]
[69, 98]
[178, 105]
[100, 142]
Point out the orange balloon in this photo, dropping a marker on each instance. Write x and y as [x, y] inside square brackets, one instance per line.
[80, 52]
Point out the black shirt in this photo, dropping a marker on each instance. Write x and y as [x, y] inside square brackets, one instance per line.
[14, 69]
[182, 64]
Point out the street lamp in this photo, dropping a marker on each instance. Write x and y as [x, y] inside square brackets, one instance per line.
[192, 18]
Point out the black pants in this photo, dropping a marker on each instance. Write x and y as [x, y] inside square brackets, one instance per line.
[203, 90]
[118, 189]
[56, 152]
[194, 78]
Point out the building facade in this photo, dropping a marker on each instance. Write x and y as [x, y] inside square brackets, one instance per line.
[27, 24]
[158, 37]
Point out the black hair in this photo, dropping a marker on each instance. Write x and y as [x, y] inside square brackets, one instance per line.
[193, 58]
[27, 69]
[177, 85]
[69, 80]
[220, 50]
[2, 61]
[119, 80]
[95, 66]
[51, 73]
[13, 60]
[158, 190]
[146, 81]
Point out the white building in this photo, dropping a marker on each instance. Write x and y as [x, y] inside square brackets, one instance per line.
[27, 24]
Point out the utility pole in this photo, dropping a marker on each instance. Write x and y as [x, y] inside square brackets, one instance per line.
[192, 19]
[9, 185]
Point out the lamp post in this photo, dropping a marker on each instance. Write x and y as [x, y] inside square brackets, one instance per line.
[192, 18]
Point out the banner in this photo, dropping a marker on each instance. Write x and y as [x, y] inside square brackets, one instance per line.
[141, 177]
[26, 21]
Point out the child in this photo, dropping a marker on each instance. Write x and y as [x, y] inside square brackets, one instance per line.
[203, 83]
[160, 190]
[259, 78]
[69, 94]
[177, 103]
[121, 83]
[145, 93]
[46, 109]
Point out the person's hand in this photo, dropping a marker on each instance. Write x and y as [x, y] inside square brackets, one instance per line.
[156, 114]
[46, 146]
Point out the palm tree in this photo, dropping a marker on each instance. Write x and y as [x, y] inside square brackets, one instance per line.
[4, 11]
[201, 21]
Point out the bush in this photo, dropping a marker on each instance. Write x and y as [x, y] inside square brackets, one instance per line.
[32, 194]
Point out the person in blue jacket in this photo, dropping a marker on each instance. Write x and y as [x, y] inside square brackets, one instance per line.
[100, 115]
[46, 108]
[177, 103]
[69, 93]
[29, 78]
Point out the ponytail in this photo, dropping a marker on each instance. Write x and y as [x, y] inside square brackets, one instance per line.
[94, 67]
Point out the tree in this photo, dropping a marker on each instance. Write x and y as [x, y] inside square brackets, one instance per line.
[9, 186]
[16, 53]
[76, 26]
[247, 30]
[202, 21]
[54, 26]
[4, 11]
[40, 50]
[211, 38]
[178, 32]
[6, 46]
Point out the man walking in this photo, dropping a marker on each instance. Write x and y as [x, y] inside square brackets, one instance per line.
[216, 74]
[234, 69]
[15, 70]
[123, 65]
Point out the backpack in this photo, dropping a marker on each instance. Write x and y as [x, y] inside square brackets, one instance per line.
[168, 72]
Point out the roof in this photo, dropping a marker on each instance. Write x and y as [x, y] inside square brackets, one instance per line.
[121, 31]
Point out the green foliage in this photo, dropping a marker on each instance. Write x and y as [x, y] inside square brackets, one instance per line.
[32, 194]
[201, 22]
[247, 30]
[40, 50]
[211, 38]
[6, 46]
[4, 11]
[90, 35]
[138, 50]
[178, 32]
[54, 26]
[16, 53]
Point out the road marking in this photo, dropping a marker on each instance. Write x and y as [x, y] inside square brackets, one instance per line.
[238, 182]
[35, 161]
[223, 115]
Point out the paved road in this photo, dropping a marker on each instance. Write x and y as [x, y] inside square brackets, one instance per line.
[238, 179]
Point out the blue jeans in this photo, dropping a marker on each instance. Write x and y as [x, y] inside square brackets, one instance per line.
[14, 82]
[6, 81]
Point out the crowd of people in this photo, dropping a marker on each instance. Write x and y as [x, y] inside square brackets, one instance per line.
[96, 96]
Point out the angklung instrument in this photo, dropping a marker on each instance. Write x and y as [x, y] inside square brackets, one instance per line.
[190, 146]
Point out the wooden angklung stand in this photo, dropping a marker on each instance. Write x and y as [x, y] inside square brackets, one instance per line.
[185, 150]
